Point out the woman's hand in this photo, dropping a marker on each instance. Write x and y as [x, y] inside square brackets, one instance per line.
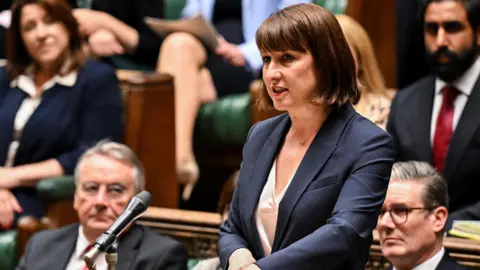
[240, 259]
[231, 52]
[8, 178]
[89, 20]
[8, 206]
[103, 43]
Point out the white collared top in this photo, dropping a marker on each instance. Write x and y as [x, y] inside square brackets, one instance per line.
[431, 263]
[25, 82]
[76, 260]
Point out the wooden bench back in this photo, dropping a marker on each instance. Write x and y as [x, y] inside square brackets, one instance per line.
[198, 231]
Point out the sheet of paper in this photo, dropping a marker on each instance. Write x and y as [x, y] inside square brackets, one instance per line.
[197, 26]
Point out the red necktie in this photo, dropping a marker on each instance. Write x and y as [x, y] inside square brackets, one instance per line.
[86, 250]
[444, 127]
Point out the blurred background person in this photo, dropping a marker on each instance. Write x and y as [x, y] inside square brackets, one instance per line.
[376, 98]
[411, 225]
[312, 180]
[202, 75]
[116, 28]
[53, 104]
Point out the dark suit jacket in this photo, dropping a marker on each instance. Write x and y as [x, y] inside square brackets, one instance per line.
[447, 263]
[139, 249]
[67, 122]
[327, 214]
[3, 40]
[412, 63]
[409, 124]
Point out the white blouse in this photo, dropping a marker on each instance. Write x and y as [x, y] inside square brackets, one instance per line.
[267, 210]
[26, 83]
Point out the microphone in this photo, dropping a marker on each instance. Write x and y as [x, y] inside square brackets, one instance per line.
[136, 206]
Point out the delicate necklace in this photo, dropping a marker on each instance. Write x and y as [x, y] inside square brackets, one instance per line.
[302, 143]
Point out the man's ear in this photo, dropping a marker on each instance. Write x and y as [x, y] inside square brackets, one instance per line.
[76, 201]
[439, 218]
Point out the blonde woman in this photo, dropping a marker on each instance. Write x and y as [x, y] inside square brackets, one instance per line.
[375, 100]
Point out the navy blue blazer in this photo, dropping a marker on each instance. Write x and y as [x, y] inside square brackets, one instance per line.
[330, 209]
[67, 122]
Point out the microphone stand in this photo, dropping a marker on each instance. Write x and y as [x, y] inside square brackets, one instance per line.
[111, 257]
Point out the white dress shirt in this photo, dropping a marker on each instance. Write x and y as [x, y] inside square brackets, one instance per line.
[431, 263]
[464, 85]
[76, 261]
[267, 210]
[26, 83]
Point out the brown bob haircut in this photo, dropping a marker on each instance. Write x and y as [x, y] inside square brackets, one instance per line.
[312, 28]
[59, 11]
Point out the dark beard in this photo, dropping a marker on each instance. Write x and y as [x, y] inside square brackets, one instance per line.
[457, 64]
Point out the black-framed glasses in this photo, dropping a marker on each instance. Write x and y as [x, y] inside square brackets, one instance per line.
[399, 215]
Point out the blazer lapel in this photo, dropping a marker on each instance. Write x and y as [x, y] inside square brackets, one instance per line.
[259, 178]
[63, 250]
[466, 127]
[128, 247]
[322, 147]
[422, 126]
[8, 109]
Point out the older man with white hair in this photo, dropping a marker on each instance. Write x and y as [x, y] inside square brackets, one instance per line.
[107, 176]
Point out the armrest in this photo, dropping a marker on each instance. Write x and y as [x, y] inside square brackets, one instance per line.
[56, 188]
[8, 249]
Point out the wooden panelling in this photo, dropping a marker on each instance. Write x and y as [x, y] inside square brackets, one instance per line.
[379, 19]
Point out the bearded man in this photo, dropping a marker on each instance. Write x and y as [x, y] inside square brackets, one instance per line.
[437, 118]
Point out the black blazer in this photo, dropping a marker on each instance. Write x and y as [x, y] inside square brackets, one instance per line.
[328, 212]
[67, 122]
[447, 263]
[139, 249]
[409, 124]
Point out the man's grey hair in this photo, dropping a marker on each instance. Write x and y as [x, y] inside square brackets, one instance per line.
[435, 191]
[118, 152]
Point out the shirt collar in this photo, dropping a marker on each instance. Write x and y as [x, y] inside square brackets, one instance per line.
[26, 83]
[82, 244]
[431, 263]
[465, 83]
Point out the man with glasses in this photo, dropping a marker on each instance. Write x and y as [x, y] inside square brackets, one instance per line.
[107, 176]
[412, 220]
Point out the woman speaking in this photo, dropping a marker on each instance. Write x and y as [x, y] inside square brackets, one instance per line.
[313, 179]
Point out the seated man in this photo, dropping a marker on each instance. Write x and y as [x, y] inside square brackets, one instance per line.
[412, 220]
[107, 176]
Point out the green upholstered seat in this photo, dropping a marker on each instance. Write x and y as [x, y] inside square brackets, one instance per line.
[57, 188]
[225, 121]
[8, 250]
[335, 6]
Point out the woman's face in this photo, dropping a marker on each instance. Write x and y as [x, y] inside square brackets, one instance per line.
[290, 78]
[45, 40]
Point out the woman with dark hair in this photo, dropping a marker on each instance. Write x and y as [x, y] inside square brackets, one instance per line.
[312, 180]
[53, 104]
